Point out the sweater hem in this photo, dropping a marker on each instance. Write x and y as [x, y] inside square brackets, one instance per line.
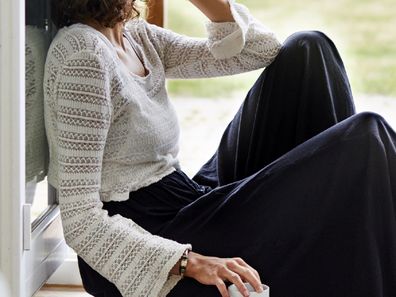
[116, 196]
[108, 196]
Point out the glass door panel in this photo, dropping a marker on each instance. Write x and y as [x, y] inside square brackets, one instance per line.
[38, 34]
[43, 239]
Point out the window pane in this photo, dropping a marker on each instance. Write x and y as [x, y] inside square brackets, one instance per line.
[38, 37]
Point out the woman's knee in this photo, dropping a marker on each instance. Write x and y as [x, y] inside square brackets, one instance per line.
[307, 39]
[368, 118]
[366, 123]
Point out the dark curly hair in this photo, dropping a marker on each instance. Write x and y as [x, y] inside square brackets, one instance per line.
[106, 12]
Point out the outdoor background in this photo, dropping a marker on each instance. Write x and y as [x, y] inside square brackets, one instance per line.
[364, 32]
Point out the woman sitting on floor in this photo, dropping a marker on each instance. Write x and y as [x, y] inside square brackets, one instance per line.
[300, 194]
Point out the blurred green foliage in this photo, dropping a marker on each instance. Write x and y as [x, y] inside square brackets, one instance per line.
[363, 30]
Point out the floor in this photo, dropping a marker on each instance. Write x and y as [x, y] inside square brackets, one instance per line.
[58, 291]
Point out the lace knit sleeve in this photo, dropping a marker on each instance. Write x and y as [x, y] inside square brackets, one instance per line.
[136, 261]
[231, 47]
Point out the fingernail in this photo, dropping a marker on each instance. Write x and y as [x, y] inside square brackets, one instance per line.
[247, 293]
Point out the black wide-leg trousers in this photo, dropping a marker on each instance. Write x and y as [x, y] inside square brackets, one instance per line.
[300, 187]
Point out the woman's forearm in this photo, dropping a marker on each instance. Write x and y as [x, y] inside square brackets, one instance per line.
[216, 10]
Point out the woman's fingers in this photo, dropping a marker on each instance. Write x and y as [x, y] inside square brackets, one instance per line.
[243, 263]
[250, 277]
[248, 274]
[215, 271]
[237, 281]
[222, 288]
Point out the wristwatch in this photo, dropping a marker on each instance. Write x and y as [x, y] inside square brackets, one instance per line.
[183, 263]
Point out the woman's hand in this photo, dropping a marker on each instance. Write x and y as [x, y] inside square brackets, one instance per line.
[216, 10]
[215, 271]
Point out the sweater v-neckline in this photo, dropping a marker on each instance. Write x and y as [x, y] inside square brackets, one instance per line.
[137, 50]
[138, 54]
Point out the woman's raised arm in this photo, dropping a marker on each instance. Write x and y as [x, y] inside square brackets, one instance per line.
[216, 10]
[232, 47]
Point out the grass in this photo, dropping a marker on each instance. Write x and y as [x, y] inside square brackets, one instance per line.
[363, 30]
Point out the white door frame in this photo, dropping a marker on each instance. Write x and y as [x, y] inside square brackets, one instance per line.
[27, 257]
[12, 148]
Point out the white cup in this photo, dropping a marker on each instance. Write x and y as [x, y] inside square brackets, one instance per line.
[234, 292]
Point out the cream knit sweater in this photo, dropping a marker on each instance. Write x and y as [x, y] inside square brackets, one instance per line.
[111, 132]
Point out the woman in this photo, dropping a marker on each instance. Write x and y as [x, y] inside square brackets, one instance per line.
[300, 194]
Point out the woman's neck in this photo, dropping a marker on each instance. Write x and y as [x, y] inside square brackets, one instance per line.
[114, 34]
